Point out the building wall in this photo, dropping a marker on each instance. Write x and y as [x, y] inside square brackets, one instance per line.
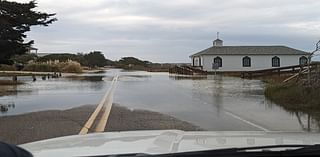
[258, 62]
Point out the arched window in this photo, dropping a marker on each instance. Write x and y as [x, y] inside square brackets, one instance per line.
[275, 61]
[303, 60]
[217, 61]
[246, 61]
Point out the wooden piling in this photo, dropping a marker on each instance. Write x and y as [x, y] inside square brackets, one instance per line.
[34, 78]
[14, 78]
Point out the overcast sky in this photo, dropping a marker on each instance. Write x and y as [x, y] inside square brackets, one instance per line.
[171, 30]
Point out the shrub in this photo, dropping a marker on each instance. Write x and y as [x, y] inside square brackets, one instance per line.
[71, 67]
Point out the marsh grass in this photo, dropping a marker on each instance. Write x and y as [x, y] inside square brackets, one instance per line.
[293, 96]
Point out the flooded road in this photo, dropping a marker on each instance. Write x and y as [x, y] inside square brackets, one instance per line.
[213, 103]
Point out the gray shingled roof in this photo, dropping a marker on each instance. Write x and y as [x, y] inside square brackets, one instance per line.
[250, 50]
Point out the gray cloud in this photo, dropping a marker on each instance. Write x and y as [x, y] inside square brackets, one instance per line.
[171, 30]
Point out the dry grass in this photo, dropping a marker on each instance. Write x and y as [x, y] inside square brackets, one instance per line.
[41, 67]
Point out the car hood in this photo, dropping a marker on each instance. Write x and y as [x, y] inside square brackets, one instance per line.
[161, 142]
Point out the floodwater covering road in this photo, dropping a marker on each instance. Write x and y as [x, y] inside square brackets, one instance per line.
[213, 103]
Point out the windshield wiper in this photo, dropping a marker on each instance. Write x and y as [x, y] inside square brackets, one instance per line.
[260, 151]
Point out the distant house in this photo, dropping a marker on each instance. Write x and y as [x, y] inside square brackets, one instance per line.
[31, 50]
[246, 58]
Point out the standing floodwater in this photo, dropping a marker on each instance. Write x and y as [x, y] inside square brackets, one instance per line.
[211, 102]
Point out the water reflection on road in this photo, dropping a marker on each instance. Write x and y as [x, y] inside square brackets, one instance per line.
[211, 102]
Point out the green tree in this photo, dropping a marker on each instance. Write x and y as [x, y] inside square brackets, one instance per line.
[95, 58]
[133, 61]
[15, 20]
[25, 58]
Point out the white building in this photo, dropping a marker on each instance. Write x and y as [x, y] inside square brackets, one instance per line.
[246, 58]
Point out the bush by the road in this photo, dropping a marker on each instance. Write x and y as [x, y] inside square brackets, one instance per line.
[71, 67]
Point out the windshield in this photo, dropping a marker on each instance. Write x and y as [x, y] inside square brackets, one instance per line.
[208, 68]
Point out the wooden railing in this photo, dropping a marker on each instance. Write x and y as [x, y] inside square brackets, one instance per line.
[279, 71]
[186, 70]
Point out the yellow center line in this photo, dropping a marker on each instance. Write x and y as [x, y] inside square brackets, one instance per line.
[94, 115]
[108, 105]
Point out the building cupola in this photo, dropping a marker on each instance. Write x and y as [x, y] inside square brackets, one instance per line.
[218, 42]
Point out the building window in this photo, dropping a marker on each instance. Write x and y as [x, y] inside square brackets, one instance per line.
[246, 61]
[275, 61]
[217, 61]
[303, 60]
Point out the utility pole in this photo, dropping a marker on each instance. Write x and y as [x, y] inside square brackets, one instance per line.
[309, 61]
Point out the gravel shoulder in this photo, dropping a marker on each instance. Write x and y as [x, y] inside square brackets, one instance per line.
[42, 125]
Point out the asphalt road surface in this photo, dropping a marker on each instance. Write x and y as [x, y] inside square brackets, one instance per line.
[37, 126]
